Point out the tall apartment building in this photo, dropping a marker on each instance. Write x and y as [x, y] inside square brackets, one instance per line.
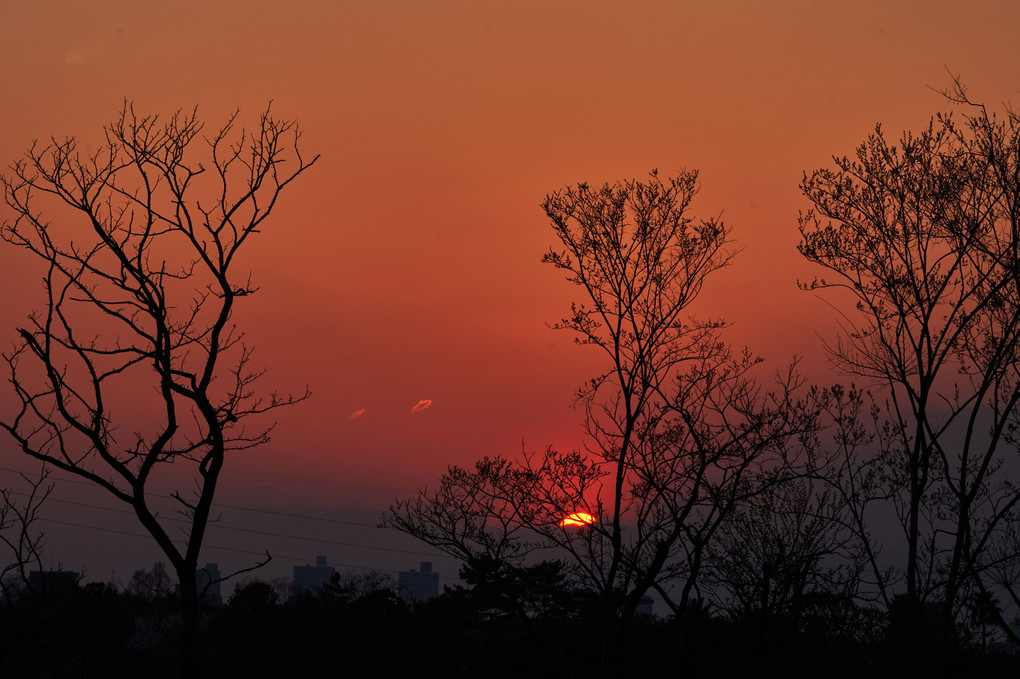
[312, 578]
[418, 585]
[208, 580]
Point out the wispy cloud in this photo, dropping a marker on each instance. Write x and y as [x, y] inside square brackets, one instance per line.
[422, 405]
[85, 53]
[356, 414]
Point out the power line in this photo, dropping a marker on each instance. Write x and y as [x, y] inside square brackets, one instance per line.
[243, 472]
[227, 549]
[292, 515]
[216, 525]
[303, 517]
[330, 481]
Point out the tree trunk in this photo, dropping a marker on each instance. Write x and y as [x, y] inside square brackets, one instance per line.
[191, 647]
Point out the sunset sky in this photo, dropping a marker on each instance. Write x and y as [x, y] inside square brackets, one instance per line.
[401, 278]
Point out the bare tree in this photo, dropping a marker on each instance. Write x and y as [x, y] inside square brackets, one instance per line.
[923, 235]
[134, 364]
[677, 422]
[678, 430]
[152, 584]
[19, 513]
[786, 554]
[858, 480]
[473, 514]
[353, 584]
[640, 261]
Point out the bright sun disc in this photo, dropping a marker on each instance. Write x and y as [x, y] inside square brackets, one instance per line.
[578, 519]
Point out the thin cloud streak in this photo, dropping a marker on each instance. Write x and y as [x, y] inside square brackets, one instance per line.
[85, 53]
[423, 404]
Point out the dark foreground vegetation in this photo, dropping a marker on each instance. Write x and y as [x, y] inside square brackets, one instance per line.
[518, 624]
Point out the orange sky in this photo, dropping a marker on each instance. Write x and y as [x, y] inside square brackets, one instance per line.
[405, 266]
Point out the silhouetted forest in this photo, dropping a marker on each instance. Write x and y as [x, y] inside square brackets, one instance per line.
[524, 623]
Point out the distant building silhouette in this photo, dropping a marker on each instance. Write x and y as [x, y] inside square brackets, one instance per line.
[48, 582]
[312, 578]
[645, 606]
[208, 580]
[421, 585]
[207, 576]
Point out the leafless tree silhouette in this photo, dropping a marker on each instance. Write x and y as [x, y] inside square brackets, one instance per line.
[678, 430]
[19, 533]
[785, 553]
[924, 236]
[134, 364]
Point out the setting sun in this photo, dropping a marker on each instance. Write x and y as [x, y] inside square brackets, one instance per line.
[578, 519]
